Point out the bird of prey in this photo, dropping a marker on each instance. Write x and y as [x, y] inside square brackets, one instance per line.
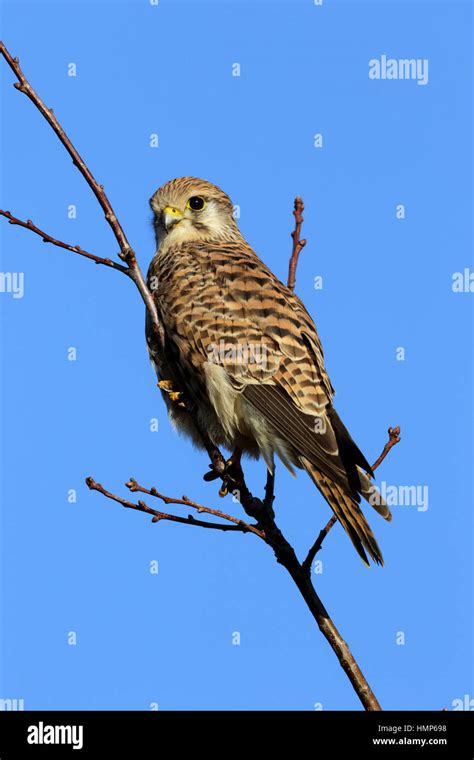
[242, 348]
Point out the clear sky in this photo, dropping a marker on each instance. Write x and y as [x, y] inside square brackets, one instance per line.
[388, 200]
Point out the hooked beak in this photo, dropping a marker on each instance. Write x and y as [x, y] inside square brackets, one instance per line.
[171, 216]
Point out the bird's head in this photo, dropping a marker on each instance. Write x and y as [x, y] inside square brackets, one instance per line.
[191, 209]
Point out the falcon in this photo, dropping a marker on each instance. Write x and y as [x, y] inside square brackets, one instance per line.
[242, 349]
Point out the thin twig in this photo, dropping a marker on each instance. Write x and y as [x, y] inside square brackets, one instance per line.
[298, 244]
[306, 565]
[28, 225]
[133, 486]
[393, 439]
[157, 515]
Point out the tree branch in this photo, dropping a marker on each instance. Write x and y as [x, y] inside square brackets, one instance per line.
[261, 510]
[25, 87]
[269, 532]
[298, 244]
[126, 253]
[393, 439]
[318, 544]
[28, 225]
[157, 515]
[133, 486]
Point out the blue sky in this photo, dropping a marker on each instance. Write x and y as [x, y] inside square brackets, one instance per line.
[84, 567]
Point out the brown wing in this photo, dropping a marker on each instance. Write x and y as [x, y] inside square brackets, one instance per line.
[222, 297]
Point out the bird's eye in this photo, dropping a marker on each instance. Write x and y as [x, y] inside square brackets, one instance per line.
[196, 203]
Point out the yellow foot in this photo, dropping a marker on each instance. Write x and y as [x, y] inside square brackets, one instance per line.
[165, 385]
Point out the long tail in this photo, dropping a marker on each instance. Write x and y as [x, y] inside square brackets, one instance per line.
[346, 508]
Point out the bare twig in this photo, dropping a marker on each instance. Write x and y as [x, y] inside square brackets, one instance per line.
[318, 544]
[298, 244]
[28, 225]
[393, 439]
[157, 515]
[133, 486]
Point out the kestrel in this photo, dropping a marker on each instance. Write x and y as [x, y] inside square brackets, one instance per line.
[244, 351]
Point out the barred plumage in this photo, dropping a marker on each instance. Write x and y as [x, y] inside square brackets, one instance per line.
[246, 352]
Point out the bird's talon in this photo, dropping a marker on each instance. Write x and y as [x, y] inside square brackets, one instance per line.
[176, 396]
[212, 475]
[233, 469]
